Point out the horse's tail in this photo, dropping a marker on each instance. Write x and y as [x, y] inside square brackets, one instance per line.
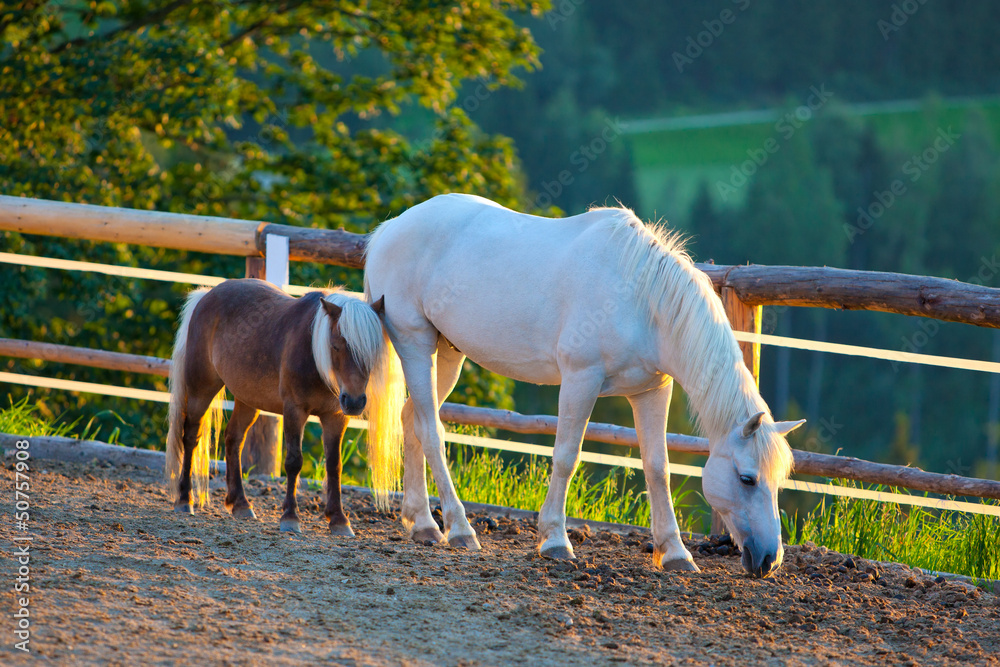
[386, 395]
[210, 425]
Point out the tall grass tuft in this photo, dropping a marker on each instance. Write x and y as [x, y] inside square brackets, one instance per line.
[938, 540]
[23, 418]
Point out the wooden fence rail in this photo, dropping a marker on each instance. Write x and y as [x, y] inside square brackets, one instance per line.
[806, 463]
[755, 285]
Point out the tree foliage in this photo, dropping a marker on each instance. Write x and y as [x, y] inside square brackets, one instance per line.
[256, 110]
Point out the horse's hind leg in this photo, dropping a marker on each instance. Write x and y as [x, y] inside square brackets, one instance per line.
[196, 405]
[295, 423]
[416, 511]
[334, 425]
[240, 422]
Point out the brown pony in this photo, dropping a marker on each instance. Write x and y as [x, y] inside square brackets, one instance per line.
[325, 354]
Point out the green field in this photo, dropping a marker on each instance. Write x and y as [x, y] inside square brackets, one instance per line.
[670, 164]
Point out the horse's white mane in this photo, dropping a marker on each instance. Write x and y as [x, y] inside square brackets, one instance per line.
[681, 301]
[361, 329]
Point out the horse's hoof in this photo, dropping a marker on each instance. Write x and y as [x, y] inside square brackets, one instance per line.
[680, 565]
[290, 526]
[425, 535]
[558, 553]
[341, 530]
[464, 541]
[184, 509]
[244, 513]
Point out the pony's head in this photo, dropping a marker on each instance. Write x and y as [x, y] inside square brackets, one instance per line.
[347, 344]
[355, 357]
[740, 482]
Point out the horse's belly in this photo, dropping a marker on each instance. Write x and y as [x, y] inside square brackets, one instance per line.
[523, 372]
[260, 394]
[510, 355]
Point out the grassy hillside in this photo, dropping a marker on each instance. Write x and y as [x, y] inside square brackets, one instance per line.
[670, 163]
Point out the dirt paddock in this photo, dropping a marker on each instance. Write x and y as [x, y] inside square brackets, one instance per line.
[117, 578]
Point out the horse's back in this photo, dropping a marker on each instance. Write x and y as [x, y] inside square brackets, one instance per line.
[239, 331]
[492, 280]
[478, 236]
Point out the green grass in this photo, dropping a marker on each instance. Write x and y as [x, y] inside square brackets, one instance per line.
[485, 477]
[482, 476]
[24, 418]
[938, 540]
[670, 166]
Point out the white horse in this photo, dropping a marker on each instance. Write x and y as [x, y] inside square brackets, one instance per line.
[603, 306]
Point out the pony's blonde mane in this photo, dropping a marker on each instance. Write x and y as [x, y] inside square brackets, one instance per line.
[681, 302]
[370, 346]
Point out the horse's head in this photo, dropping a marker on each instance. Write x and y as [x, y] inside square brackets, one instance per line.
[740, 482]
[347, 364]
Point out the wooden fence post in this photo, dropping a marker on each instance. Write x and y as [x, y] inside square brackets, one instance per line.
[742, 318]
[262, 449]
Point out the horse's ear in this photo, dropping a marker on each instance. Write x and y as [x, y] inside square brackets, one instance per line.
[379, 306]
[332, 309]
[751, 425]
[784, 428]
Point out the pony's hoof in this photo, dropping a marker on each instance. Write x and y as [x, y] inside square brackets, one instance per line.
[464, 542]
[184, 509]
[425, 535]
[244, 513]
[680, 565]
[341, 530]
[290, 526]
[558, 553]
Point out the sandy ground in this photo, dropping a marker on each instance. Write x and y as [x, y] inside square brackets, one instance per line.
[117, 578]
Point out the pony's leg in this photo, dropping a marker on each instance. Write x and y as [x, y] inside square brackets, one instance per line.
[418, 356]
[197, 404]
[577, 396]
[294, 422]
[650, 410]
[334, 425]
[240, 421]
[416, 510]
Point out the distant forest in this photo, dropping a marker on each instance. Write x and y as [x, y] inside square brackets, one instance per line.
[808, 205]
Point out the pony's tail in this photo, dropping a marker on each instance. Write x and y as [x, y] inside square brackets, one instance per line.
[386, 395]
[210, 425]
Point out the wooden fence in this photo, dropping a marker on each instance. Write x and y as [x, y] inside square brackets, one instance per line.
[744, 291]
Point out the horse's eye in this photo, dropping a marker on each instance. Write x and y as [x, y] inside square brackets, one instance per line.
[748, 480]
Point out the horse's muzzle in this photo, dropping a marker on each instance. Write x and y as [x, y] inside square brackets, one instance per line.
[758, 562]
[353, 405]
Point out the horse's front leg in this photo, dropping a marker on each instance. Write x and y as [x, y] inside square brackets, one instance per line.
[650, 411]
[334, 425]
[577, 396]
[416, 511]
[419, 368]
[294, 423]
